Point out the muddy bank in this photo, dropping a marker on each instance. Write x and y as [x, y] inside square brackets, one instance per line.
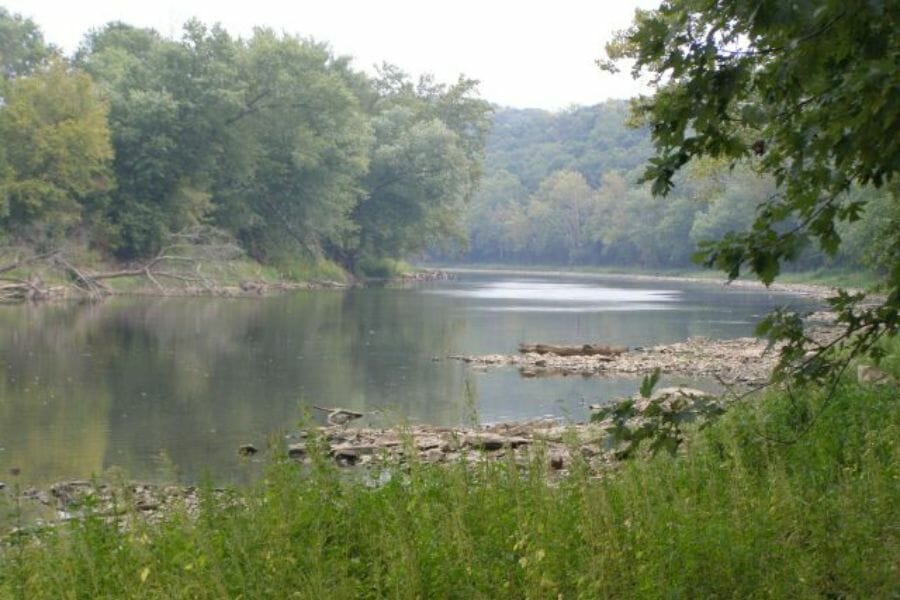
[746, 360]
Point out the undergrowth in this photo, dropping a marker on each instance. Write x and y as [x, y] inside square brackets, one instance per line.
[737, 513]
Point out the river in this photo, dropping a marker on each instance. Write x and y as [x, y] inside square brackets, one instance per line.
[163, 387]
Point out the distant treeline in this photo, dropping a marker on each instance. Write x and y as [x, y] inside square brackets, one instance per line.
[287, 148]
[272, 138]
[563, 188]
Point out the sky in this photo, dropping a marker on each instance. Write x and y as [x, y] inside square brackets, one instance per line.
[526, 54]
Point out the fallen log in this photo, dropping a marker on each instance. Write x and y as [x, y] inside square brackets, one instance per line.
[573, 350]
[339, 416]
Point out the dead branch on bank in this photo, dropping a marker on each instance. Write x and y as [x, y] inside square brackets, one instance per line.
[179, 262]
[28, 287]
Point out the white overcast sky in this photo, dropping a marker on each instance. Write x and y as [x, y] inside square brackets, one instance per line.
[526, 54]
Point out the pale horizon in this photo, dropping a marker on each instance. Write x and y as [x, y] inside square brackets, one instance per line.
[524, 56]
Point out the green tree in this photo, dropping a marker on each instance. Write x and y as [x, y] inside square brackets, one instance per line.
[22, 46]
[56, 149]
[807, 92]
[424, 166]
[500, 199]
[305, 144]
[562, 211]
[168, 105]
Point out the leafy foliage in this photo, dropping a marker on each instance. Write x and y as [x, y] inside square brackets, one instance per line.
[57, 148]
[659, 418]
[805, 92]
[272, 138]
[513, 218]
[22, 46]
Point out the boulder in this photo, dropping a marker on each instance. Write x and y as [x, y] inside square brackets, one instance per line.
[247, 450]
[492, 441]
[866, 374]
[433, 455]
[674, 392]
[427, 443]
[353, 451]
[557, 461]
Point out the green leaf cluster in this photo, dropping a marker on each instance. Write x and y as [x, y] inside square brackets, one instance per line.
[807, 93]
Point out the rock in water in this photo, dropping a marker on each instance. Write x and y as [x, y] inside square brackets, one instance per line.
[247, 450]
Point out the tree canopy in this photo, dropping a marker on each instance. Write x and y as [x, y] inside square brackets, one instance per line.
[807, 92]
[272, 138]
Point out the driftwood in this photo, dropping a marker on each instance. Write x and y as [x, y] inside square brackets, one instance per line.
[30, 289]
[178, 263]
[339, 416]
[573, 350]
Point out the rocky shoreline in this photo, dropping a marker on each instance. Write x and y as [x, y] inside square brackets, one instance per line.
[546, 440]
[740, 361]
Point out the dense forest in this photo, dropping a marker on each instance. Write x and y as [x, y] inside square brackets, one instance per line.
[272, 140]
[280, 145]
[563, 189]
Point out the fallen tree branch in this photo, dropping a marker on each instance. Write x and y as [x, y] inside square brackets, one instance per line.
[21, 262]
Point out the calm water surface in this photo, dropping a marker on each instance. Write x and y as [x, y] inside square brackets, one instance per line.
[146, 385]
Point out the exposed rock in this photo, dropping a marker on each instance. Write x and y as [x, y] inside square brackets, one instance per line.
[737, 361]
[247, 450]
[429, 443]
[297, 450]
[490, 441]
[433, 455]
[557, 461]
[573, 350]
[352, 451]
[679, 391]
[867, 374]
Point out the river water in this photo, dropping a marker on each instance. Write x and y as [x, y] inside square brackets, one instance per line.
[163, 387]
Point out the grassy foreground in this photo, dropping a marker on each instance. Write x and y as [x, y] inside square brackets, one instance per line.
[737, 515]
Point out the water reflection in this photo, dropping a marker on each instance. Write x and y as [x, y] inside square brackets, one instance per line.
[84, 387]
[581, 294]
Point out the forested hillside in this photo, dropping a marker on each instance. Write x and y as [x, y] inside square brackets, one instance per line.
[563, 189]
[274, 140]
[281, 146]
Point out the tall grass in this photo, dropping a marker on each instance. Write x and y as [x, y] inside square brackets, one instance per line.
[746, 511]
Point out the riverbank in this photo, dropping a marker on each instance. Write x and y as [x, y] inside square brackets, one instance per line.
[56, 278]
[359, 450]
[738, 513]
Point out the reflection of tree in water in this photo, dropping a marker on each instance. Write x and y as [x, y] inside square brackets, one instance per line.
[127, 379]
[396, 335]
[53, 420]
